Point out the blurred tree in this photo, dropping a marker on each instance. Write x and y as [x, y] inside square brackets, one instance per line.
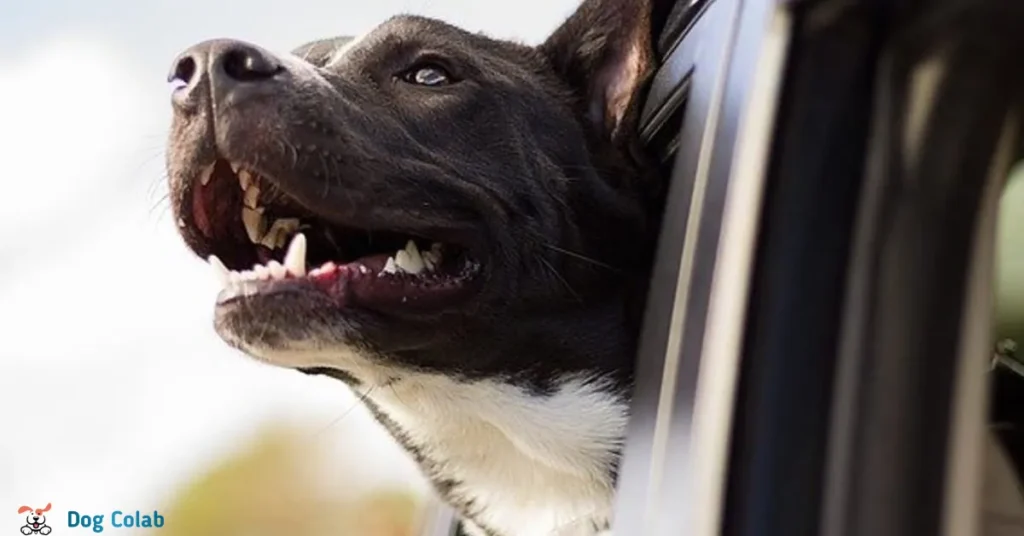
[272, 489]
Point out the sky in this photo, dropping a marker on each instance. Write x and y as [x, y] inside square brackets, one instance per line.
[114, 388]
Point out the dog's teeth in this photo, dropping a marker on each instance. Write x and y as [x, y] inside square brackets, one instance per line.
[254, 223]
[402, 260]
[262, 272]
[326, 268]
[219, 270]
[295, 259]
[280, 230]
[245, 179]
[251, 196]
[429, 260]
[206, 175]
[235, 166]
[249, 288]
[273, 239]
[409, 259]
[277, 270]
[390, 267]
[432, 257]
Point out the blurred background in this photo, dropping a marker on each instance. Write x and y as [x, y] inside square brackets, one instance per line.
[115, 393]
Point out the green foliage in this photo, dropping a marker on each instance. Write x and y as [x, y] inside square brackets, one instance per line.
[271, 489]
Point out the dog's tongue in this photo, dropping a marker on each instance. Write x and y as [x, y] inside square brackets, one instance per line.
[35, 525]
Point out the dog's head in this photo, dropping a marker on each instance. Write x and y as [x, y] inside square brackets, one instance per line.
[422, 196]
[35, 517]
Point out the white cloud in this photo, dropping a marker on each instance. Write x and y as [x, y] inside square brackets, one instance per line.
[71, 116]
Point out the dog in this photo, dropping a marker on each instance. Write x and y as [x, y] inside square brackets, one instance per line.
[459, 228]
[35, 521]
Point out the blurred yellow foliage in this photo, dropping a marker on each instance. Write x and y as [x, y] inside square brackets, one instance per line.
[271, 489]
[1010, 265]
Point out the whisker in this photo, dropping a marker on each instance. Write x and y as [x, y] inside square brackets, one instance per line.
[560, 278]
[583, 258]
[336, 420]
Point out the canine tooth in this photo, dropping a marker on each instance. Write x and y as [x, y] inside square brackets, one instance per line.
[295, 259]
[219, 269]
[254, 223]
[206, 175]
[235, 166]
[390, 267]
[251, 196]
[277, 270]
[244, 179]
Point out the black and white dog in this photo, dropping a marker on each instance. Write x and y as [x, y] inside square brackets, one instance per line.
[460, 228]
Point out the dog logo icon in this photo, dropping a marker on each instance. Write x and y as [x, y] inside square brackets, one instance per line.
[35, 521]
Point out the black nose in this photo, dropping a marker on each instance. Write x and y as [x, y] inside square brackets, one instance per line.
[231, 68]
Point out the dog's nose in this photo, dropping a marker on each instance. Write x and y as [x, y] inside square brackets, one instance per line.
[232, 69]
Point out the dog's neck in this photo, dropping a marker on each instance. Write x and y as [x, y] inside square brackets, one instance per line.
[514, 461]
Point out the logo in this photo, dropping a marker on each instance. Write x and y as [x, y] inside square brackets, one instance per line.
[35, 521]
[118, 520]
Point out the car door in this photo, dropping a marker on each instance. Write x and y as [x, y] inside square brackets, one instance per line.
[835, 382]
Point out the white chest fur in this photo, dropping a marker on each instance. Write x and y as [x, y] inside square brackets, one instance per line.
[534, 465]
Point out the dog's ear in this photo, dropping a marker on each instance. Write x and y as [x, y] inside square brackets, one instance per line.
[24, 509]
[605, 52]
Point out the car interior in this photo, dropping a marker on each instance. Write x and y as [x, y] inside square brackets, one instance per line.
[821, 352]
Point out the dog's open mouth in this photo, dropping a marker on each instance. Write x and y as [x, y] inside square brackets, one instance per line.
[264, 243]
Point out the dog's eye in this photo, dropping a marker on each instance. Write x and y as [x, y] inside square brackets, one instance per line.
[427, 75]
